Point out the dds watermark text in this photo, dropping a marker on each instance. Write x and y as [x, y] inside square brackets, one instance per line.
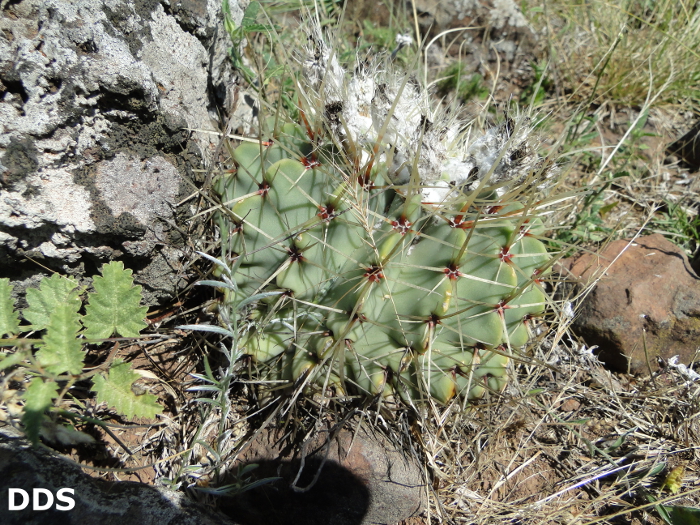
[41, 499]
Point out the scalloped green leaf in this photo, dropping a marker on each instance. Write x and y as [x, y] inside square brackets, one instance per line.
[52, 292]
[61, 351]
[9, 322]
[115, 304]
[115, 390]
[37, 398]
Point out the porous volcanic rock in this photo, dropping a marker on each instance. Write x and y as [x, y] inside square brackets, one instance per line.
[96, 501]
[649, 296]
[95, 99]
[344, 478]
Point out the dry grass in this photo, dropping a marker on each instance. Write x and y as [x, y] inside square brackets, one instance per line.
[618, 52]
[567, 443]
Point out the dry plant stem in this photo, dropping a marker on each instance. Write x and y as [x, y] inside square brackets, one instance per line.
[332, 433]
[647, 104]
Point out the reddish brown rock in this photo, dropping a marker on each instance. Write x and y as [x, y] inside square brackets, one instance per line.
[356, 478]
[649, 296]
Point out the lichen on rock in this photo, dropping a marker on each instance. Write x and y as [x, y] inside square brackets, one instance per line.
[95, 101]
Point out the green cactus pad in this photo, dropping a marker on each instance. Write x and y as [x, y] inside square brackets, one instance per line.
[382, 293]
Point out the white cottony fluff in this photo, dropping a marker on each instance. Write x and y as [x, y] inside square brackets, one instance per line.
[379, 109]
[687, 373]
[404, 39]
[321, 68]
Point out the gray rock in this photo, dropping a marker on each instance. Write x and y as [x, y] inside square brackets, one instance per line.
[95, 96]
[96, 501]
[361, 478]
[498, 38]
[364, 480]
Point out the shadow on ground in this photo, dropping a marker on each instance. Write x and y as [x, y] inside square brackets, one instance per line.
[323, 494]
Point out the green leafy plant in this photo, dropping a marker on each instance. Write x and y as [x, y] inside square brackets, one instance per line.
[679, 515]
[589, 225]
[536, 92]
[376, 38]
[215, 400]
[682, 227]
[52, 357]
[465, 85]
[238, 33]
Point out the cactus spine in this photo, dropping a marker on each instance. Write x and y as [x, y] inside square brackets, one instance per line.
[406, 252]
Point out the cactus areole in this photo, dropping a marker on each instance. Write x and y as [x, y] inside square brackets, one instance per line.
[407, 253]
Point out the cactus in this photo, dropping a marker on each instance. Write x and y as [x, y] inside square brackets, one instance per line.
[406, 252]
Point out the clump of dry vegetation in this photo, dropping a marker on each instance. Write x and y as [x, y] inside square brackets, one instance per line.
[568, 441]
